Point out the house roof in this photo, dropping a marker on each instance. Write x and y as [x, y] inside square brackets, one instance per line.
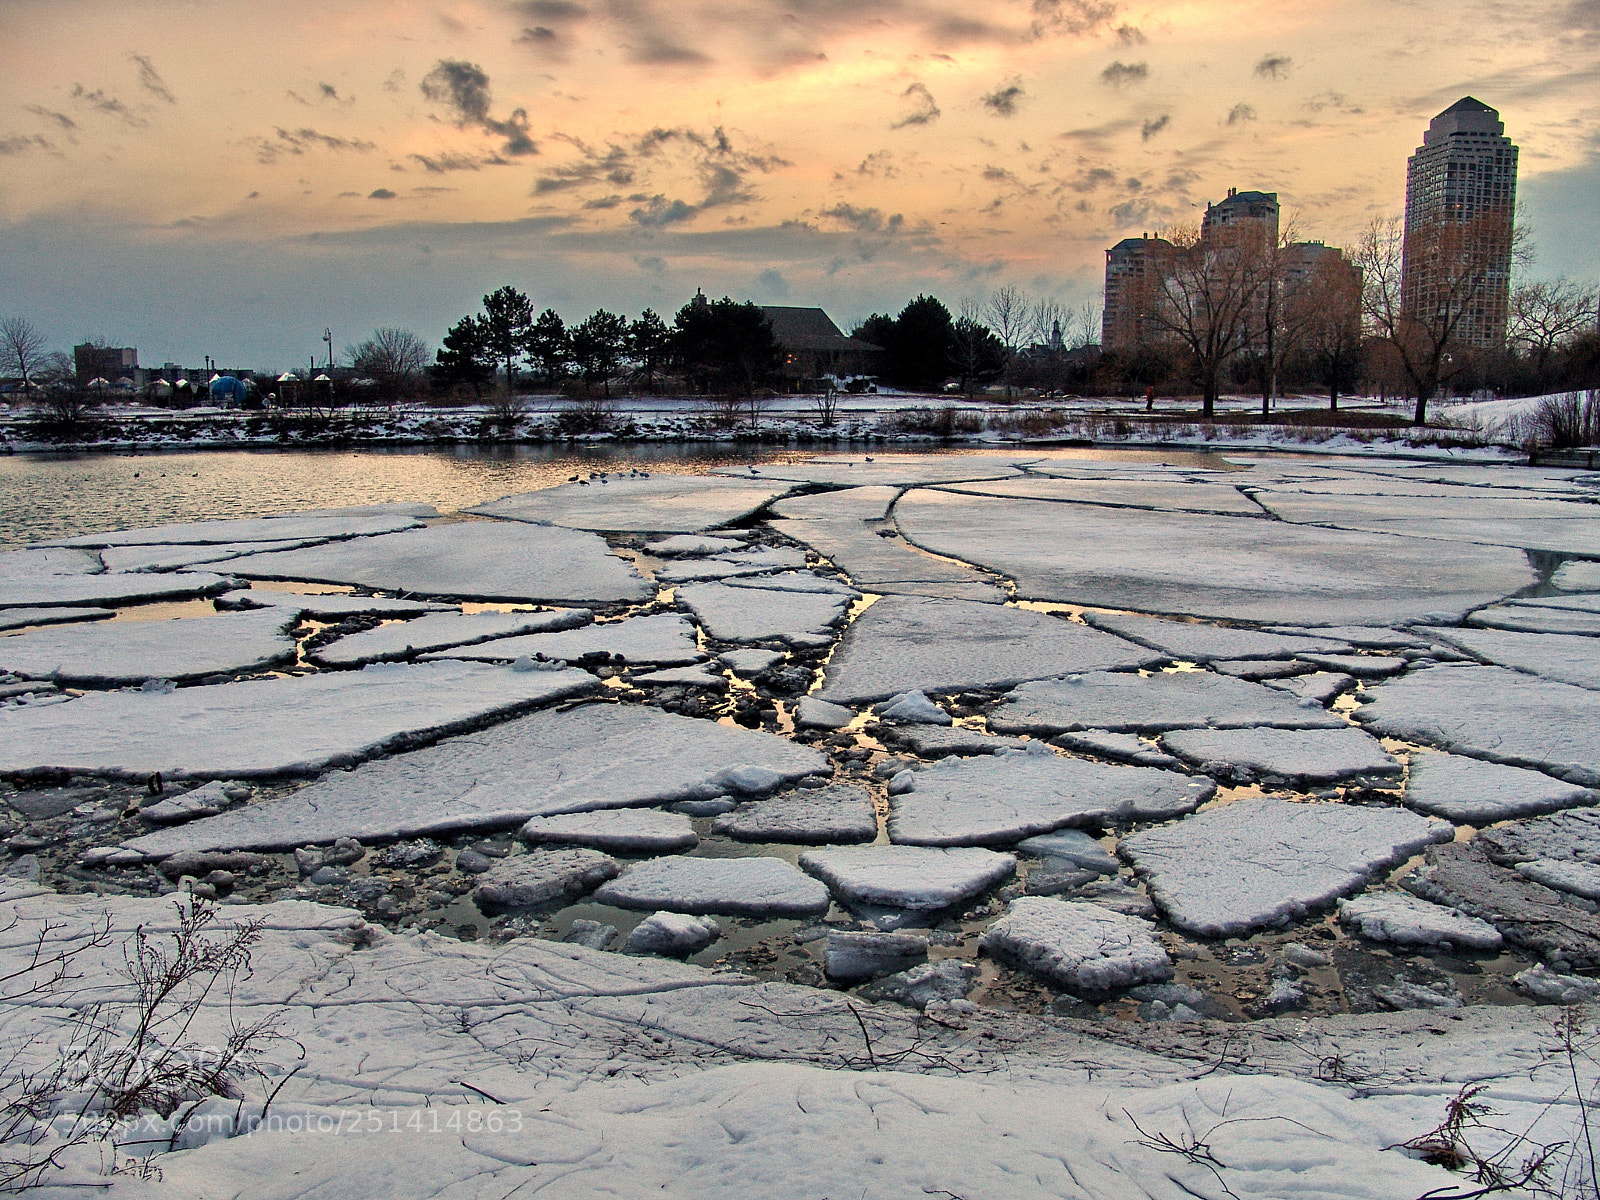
[808, 329]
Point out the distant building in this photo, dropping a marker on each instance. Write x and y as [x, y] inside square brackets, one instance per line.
[1135, 268]
[1242, 210]
[1463, 174]
[111, 363]
[814, 346]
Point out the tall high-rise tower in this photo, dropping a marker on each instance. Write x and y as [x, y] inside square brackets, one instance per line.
[1461, 195]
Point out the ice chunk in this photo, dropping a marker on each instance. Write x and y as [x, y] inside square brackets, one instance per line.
[596, 935]
[853, 957]
[77, 591]
[1577, 576]
[625, 830]
[1362, 666]
[755, 561]
[1469, 516]
[755, 614]
[757, 886]
[1257, 863]
[692, 545]
[591, 757]
[663, 639]
[473, 560]
[1551, 987]
[1124, 747]
[1006, 797]
[440, 631]
[543, 875]
[290, 526]
[1318, 688]
[1471, 792]
[934, 741]
[1489, 712]
[908, 877]
[903, 643]
[172, 558]
[327, 606]
[295, 726]
[1258, 669]
[812, 713]
[829, 814]
[21, 618]
[913, 708]
[1579, 878]
[672, 933]
[641, 503]
[851, 503]
[1165, 700]
[41, 562]
[1305, 755]
[1407, 921]
[1570, 836]
[1166, 494]
[1368, 637]
[793, 581]
[1081, 947]
[1532, 619]
[751, 662]
[1073, 846]
[885, 563]
[1202, 643]
[1565, 658]
[700, 676]
[207, 800]
[941, 982]
[1237, 568]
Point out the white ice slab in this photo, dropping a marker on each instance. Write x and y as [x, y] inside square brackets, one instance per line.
[693, 545]
[591, 757]
[294, 726]
[624, 830]
[655, 503]
[808, 815]
[1205, 643]
[912, 708]
[755, 614]
[880, 564]
[1081, 947]
[758, 561]
[22, 618]
[812, 713]
[1492, 713]
[542, 876]
[1469, 516]
[1168, 495]
[303, 527]
[934, 741]
[1582, 602]
[905, 643]
[74, 591]
[1306, 755]
[877, 470]
[1320, 687]
[37, 562]
[908, 877]
[750, 662]
[124, 652]
[1566, 875]
[1368, 637]
[703, 676]
[855, 503]
[679, 883]
[664, 639]
[440, 631]
[1222, 567]
[1002, 798]
[1562, 657]
[1164, 700]
[1577, 576]
[330, 606]
[1258, 863]
[1073, 846]
[1362, 666]
[1471, 792]
[793, 581]
[671, 933]
[474, 560]
[172, 558]
[1404, 920]
[1525, 618]
[1123, 747]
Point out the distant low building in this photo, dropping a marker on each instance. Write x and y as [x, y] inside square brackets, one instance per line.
[814, 346]
[91, 362]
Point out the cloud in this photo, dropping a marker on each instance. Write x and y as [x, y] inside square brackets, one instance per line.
[22, 143]
[1274, 66]
[653, 263]
[395, 81]
[1092, 179]
[539, 35]
[659, 212]
[923, 110]
[439, 164]
[550, 10]
[59, 119]
[1150, 128]
[1003, 101]
[656, 50]
[298, 141]
[878, 165]
[1070, 16]
[380, 194]
[1337, 100]
[462, 89]
[772, 283]
[863, 220]
[1131, 35]
[150, 79]
[1240, 113]
[110, 105]
[1121, 74]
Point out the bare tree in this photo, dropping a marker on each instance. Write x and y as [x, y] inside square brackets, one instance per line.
[1009, 315]
[1207, 297]
[395, 358]
[1548, 314]
[21, 348]
[1331, 302]
[1082, 325]
[1461, 261]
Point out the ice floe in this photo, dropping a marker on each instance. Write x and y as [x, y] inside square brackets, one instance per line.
[935, 741]
[1077, 946]
[1123, 747]
[831, 814]
[1563, 657]
[1471, 792]
[1524, 618]
[855, 504]
[1162, 701]
[757, 561]
[1405, 920]
[22, 618]
[750, 662]
[1171, 495]
[1203, 643]
[912, 708]
[903, 643]
[662, 639]
[1003, 798]
[691, 545]
[793, 581]
[624, 830]
[474, 560]
[1530, 524]
[75, 591]
[812, 713]
[290, 527]
[37, 562]
[440, 631]
[917, 878]
[671, 933]
[900, 470]
[1572, 836]
[122, 652]
[172, 558]
[1073, 846]
[1305, 755]
[591, 757]
[756, 614]
[1258, 863]
[1320, 687]
[1368, 637]
[1577, 576]
[681, 883]
[697, 676]
[329, 606]
[878, 561]
[851, 957]
[1362, 666]
[653, 503]
[1565, 875]
[543, 875]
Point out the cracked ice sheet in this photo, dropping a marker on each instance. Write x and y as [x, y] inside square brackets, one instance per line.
[1202, 565]
[70, 591]
[921, 878]
[878, 564]
[1206, 643]
[170, 558]
[1002, 798]
[1577, 576]
[906, 643]
[303, 526]
[21, 618]
[749, 886]
[594, 756]
[292, 726]
[1551, 525]
[1522, 618]
[1081, 947]
[751, 614]
[441, 631]
[1164, 494]
[476, 560]
[849, 504]
[657, 504]
[1472, 792]
[335, 605]
[662, 639]
[1565, 658]
[123, 652]
[1304, 755]
[21, 565]
[1121, 701]
[1492, 713]
[1259, 863]
[888, 469]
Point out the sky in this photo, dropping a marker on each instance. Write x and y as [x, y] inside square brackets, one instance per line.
[219, 177]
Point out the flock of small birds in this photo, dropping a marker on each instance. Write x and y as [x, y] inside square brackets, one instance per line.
[605, 477]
